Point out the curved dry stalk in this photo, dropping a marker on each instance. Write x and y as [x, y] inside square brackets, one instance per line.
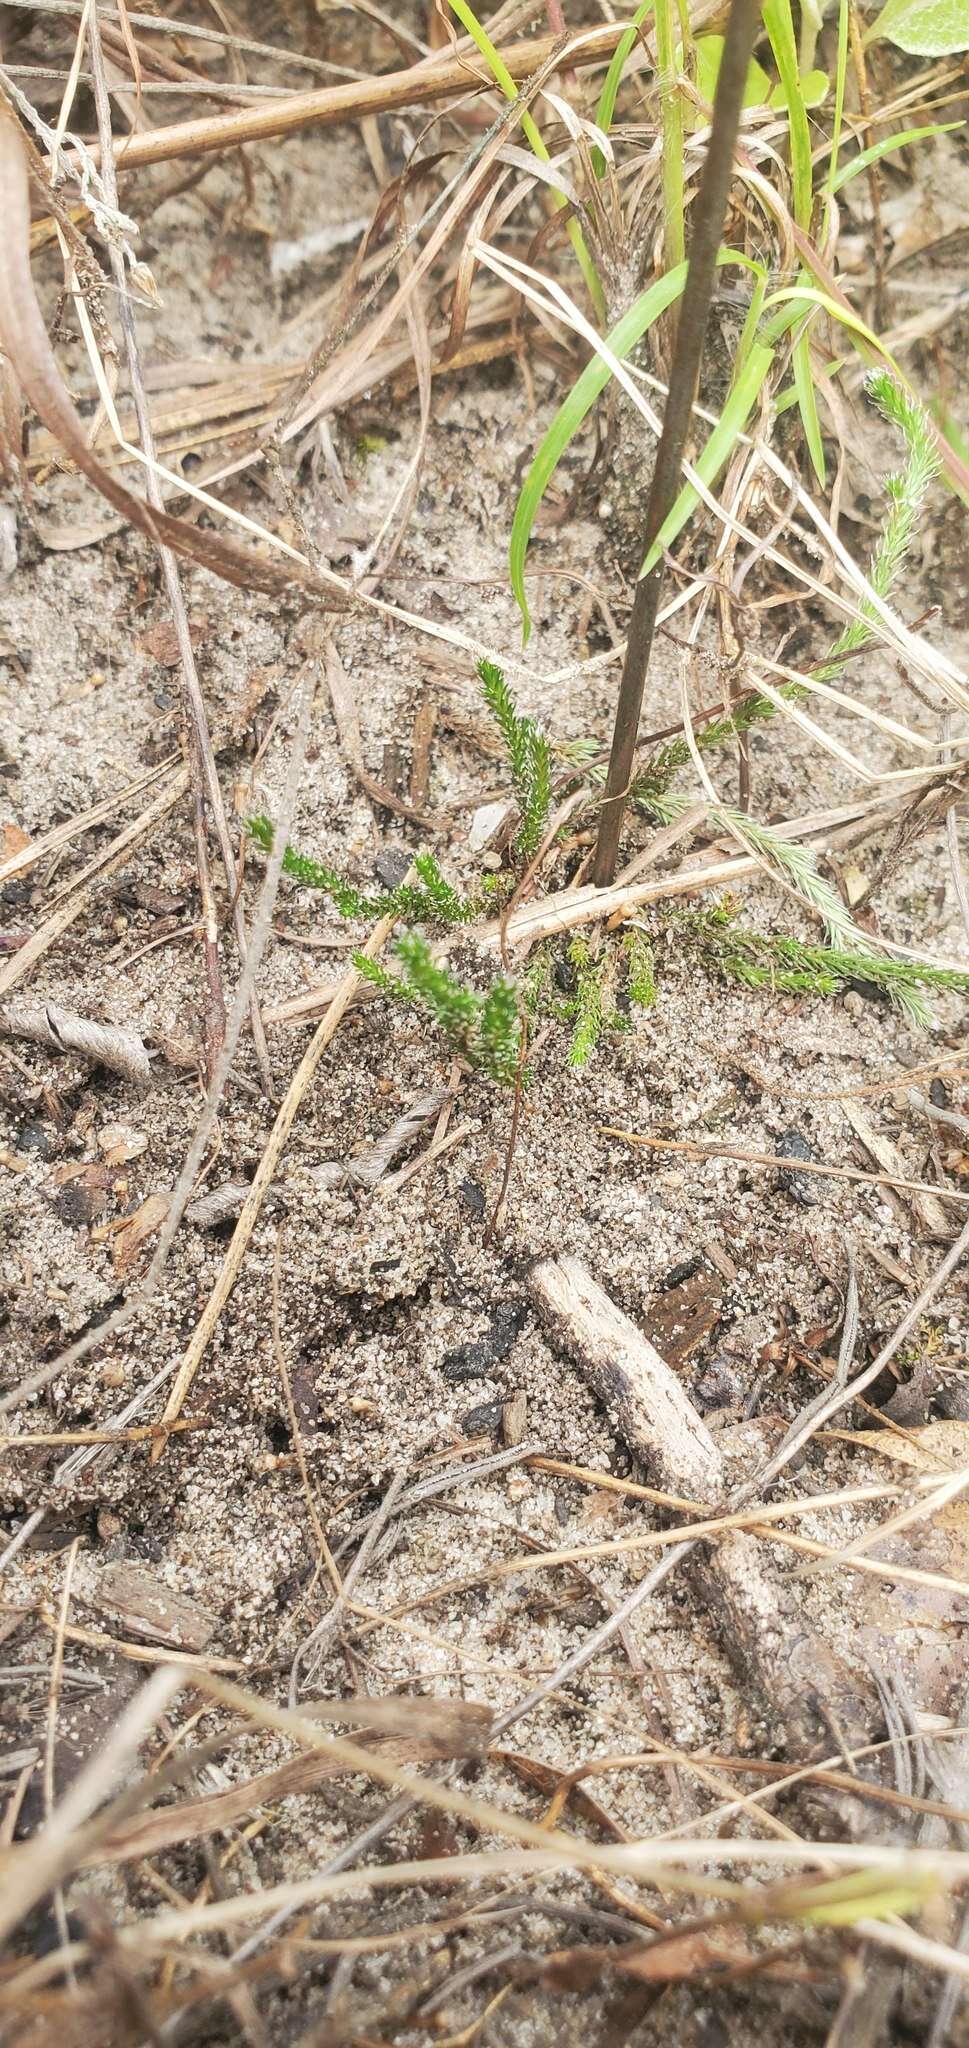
[23, 337]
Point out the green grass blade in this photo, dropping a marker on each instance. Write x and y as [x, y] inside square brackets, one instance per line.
[885, 147]
[718, 449]
[806, 295]
[780, 29]
[571, 413]
[840, 79]
[751, 322]
[620, 57]
[506, 84]
[807, 405]
[499, 71]
[573, 409]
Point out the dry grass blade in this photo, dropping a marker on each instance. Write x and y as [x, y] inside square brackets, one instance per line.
[24, 338]
[444, 78]
[104, 864]
[688, 1149]
[50, 842]
[347, 722]
[264, 1175]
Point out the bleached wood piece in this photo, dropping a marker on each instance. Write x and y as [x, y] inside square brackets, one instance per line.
[805, 1692]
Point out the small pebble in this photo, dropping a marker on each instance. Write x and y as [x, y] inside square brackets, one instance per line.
[800, 1186]
[491, 826]
[391, 865]
[514, 1415]
[39, 1138]
[485, 1420]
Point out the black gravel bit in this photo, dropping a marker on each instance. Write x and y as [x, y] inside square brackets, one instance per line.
[800, 1186]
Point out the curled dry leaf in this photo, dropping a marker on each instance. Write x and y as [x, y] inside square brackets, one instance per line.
[148, 1834]
[120, 1143]
[662, 1961]
[134, 1231]
[23, 338]
[938, 1448]
[370, 1166]
[220, 1204]
[109, 1045]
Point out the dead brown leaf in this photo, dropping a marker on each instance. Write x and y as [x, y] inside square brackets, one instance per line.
[161, 640]
[680, 1319]
[12, 840]
[147, 1835]
[134, 1231]
[662, 1961]
[938, 1447]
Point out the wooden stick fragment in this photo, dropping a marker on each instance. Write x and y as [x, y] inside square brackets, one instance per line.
[802, 1687]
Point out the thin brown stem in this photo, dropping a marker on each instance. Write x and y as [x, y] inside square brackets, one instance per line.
[709, 212]
[879, 246]
[205, 777]
[447, 78]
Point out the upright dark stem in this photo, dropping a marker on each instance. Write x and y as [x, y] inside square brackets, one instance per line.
[708, 213]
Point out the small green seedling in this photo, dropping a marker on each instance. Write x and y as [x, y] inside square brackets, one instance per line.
[529, 759]
[484, 1029]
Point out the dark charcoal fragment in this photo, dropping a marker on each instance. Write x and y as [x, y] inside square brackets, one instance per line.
[39, 1138]
[473, 1361]
[870, 990]
[677, 1274]
[800, 1186]
[485, 1420]
[467, 1362]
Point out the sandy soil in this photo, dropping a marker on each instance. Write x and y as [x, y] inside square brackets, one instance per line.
[405, 1319]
